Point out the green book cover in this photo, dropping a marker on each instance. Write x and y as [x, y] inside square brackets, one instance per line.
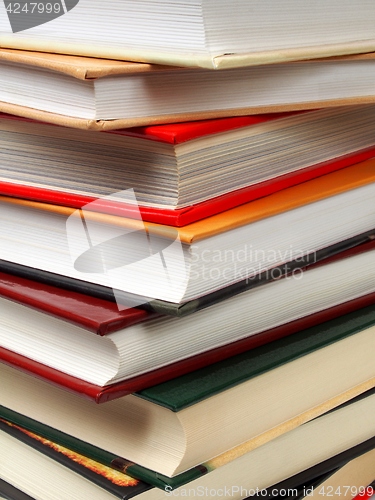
[193, 387]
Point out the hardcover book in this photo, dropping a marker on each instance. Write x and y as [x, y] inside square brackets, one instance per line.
[331, 435]
[351, 479]
[97, 94]
[103, 317]
[179, 265]
[304, 482]
[146, 352]
[163, 418]
[172, 169]
[89, 479]
[264, 32]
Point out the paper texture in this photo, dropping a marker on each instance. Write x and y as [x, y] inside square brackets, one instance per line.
[282, 201]
[208, 61]
[101, 125]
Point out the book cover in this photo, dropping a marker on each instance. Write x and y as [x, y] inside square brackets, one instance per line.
[119, 484]
[9, 492]
[243, 181]
[211, 44]
[360, 243]
[88, 70]
[161, 481]
[307, 479]
[187, 390]
[94, 314]
[184, 216]
[326, 186]
[114, 391]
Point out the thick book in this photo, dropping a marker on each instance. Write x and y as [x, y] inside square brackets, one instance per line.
[298, 486]
[320, 439]
[263, 32]
[154, 347]
[163, 417]
[172, 169]
[313, 476]
[123, 486]
[180, 265]
[97, 94]
[102, 317]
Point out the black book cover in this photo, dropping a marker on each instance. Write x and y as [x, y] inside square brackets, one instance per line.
[183, 309]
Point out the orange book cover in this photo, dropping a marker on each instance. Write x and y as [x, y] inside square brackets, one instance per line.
[288, 199]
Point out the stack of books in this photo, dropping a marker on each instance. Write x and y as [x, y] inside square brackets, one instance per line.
[187, 243]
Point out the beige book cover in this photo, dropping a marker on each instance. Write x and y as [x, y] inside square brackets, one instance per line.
[89, 69]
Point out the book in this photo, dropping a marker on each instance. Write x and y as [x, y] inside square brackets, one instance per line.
[101, 95]
[172, 169]
[206, 38]
[102, 317]
[150, 345]
[178, 265]
[326, 437]
[260, 467]
[161, 432]
[298, 485]
[302, 481]
[349, 481]
[126, 300]
[91, 313]
[82, 476]
[9, 492]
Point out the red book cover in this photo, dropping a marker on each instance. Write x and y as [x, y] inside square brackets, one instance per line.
[94, 314]
[81, 310]
[110, 392]
[177, 134]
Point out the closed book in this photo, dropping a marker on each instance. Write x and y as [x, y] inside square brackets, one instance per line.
[332, 434]
[9, 492]
[179, 265]
[351, 479]
[90, 479]
[172, 169]
[164, 343]
[97, 94]
[102, 317]
[304, 482]
[163, 418]
[297, 486]
[264, 33]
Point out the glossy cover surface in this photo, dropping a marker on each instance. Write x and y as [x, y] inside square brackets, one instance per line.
[188, 215]
[94, 314]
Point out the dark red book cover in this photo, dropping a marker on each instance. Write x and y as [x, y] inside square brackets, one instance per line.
[110, 392]
[94, 314]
